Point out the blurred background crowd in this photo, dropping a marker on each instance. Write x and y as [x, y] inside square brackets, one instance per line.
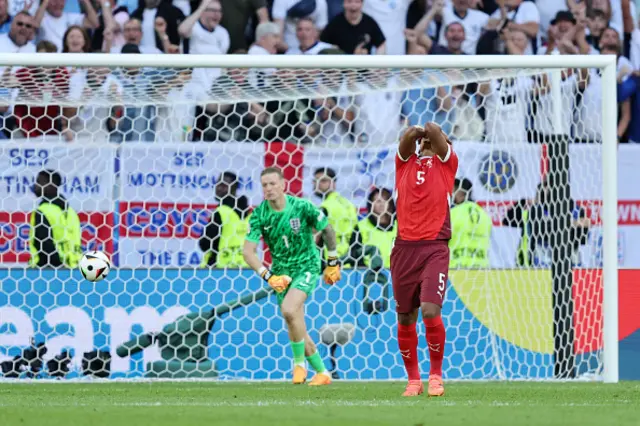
[198, 104]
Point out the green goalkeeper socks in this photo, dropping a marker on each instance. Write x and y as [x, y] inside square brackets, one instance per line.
[316, 363]
[298, 352]
[314, 360]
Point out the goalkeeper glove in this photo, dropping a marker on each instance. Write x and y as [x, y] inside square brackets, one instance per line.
[277, 282]
[332, 270]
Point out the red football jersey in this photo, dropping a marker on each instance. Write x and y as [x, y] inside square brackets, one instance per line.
[423, 187]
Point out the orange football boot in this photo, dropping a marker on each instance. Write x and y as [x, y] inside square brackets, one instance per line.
[436, 385]
[299, 375]
[320, 379]
[414, 388]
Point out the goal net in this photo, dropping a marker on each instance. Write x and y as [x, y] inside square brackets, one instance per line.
[162, 166]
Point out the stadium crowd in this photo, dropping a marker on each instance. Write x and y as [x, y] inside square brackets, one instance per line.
[508, 109]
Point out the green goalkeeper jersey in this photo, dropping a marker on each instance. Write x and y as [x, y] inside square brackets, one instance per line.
[289, 235]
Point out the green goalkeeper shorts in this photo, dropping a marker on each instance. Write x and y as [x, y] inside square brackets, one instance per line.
[305, 282]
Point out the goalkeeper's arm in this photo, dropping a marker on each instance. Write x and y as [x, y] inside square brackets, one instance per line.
[250, 255]
[277, 282]
[332, 271]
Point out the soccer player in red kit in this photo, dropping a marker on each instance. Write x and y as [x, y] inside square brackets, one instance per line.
[420, 255]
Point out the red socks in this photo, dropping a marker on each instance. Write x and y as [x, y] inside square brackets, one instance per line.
[436, 338]
[408, 343]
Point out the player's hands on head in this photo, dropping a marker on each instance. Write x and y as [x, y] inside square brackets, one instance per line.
[432, 130]
[416, 132]
[279, 282]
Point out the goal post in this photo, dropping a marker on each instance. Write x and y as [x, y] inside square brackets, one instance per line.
[147, 200]
[610, 216]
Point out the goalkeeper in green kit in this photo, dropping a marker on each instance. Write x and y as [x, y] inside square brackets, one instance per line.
[288, 224]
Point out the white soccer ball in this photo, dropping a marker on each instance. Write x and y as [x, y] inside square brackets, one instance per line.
[95, 266]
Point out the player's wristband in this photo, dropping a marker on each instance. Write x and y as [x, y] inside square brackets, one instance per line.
[332, 258]
[265, 273]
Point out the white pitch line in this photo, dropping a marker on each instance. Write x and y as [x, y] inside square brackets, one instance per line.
[321, 403]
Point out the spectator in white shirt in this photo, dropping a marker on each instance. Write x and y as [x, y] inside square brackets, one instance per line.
[588, 121]
[507, 99]
[75, 40]
[110, 19]
[379, 118]
[336, 115]
[132, 35]
[520, 16]
[611, 8]
[18, 39]
[109, 36]
[53, 21]
[548, 10]
[286, 13]
[472, 20]
[391, 16]
[596, 23]
[202, 28]
[206, 37]
[267, 39]
[420, 43]
[308, 39]
[88, 121]
[565, 38]
[176, 120]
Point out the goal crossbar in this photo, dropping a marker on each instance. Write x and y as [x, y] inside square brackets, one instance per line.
[306, 62]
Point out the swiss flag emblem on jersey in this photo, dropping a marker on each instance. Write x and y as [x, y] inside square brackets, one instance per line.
[424, 163]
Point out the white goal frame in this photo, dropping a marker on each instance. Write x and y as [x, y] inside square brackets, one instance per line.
[607, 63]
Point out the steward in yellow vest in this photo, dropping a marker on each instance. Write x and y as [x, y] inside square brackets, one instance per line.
[470, 230]
[223, 237]
[378, 229]
[341, 213]
[55, 235]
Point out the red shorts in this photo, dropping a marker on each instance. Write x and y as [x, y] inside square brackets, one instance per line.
[419, 272]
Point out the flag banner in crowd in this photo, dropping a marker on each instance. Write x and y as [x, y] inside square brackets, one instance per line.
[88, 179]
[187, 173]
[168, 192]
[87, 174]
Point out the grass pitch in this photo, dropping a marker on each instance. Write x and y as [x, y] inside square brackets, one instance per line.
[367, 403]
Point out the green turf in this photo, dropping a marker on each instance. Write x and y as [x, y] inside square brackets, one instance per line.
[256, 404]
